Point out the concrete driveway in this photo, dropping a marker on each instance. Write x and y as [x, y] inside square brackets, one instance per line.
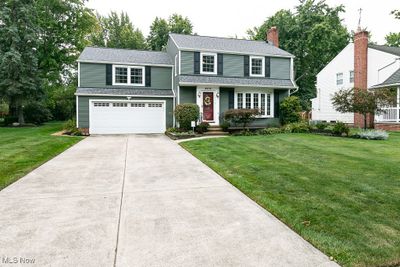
[139, 200]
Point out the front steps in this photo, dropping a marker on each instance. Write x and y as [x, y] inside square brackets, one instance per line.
[215, 130]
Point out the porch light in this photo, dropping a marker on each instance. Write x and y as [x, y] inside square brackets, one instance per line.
[217, 95]
[199, 95]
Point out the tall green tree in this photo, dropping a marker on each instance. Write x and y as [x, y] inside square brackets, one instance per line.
[160, 28]
[64, 31]
[19, 44]
[117, 31]
[393, 38]
[314, 33]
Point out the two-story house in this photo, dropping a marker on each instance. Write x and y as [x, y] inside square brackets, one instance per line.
[130, 91]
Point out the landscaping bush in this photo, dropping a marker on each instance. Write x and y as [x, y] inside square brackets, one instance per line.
[245, 132]
[241, 116]
[340, 128]
[321, 126]
[185, 114]
[37, 113]
[202, 127]
[269, 131]
[225, 126]
[297, 127]
[371, 135]
[69, 127]
[290, 109]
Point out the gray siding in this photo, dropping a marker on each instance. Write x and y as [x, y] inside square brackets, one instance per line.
[233, 65]
[187, 62]
[83, 108]
[280, 68]
[173, 51]
[94, 75]
[187, 94]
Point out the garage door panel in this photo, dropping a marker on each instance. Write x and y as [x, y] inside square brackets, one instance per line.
[129, 117]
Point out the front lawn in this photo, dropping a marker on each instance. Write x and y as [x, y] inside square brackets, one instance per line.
[340, 194]
[23, 149]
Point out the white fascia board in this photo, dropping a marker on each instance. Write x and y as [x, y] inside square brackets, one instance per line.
[237, 85]
[154, 96]
[232, 52]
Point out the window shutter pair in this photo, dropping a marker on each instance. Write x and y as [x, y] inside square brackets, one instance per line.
[109, 75]
[247, 66]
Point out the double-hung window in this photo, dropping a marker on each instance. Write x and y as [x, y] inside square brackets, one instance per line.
[257, 66]
[255, 100]
[208, 63]
[128, 75]
[351, 76]
[339, 78]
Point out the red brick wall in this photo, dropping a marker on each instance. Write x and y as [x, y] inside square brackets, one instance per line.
[273, 36]
[361, 72]
[388, 126]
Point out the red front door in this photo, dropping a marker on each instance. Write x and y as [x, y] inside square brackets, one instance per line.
[208, 106]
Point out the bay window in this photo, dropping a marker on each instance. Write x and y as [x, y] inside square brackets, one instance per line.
[255, 100]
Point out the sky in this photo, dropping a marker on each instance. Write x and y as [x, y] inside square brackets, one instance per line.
[231, 18]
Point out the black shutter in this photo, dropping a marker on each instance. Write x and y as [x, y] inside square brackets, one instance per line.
[267, 67]
[148, 76]
[246, 66]
[231, 98]
[220, 59]
[276, 103]
[108, 74]
[196, 62]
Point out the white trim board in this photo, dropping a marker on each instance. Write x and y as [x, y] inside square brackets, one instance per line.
[125, 63]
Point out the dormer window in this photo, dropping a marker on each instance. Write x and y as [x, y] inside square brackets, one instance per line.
[208, 63]
[257, 66]
[128, 75]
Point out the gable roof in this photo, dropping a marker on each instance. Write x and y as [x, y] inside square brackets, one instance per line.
[114, 55]
[386, 49]
[228, 45]
[393, 80]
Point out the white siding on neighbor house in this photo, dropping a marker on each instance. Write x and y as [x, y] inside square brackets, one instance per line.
[322, 108]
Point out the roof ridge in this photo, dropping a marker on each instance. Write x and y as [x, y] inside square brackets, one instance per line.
[126, 49]
[219, 37]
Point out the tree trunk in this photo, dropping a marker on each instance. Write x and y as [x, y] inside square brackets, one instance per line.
[365, 121]
[20, 111]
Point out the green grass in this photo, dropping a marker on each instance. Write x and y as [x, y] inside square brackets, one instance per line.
[24, 149]
[340, 194]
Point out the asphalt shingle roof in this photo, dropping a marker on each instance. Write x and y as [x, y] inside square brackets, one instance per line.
[217, 80]
[386, 49]
[195, 42]
[125, 92]
[114, 55]
[393, 79]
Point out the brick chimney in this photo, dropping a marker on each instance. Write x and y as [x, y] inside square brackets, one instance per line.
[273, 36]
[361, 72]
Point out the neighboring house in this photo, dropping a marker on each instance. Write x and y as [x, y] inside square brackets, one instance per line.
[130, 91]
[374, 64]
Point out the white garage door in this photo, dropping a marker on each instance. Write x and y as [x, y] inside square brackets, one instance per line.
[121, 117]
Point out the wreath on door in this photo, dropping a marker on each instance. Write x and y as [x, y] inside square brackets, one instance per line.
[207, 101]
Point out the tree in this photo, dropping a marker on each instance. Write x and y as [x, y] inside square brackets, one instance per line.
[314, 33]
[18, 54]
[363, 102]
[158, 35]
[64, 29]
[393, 39]
[117, 31]
[160, 28]
[290, 109]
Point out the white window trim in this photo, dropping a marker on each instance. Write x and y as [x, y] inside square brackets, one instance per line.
[351, 71]
[337, 78]
[252, 92]
[262, 66]
[129, 75]
[215, 63]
